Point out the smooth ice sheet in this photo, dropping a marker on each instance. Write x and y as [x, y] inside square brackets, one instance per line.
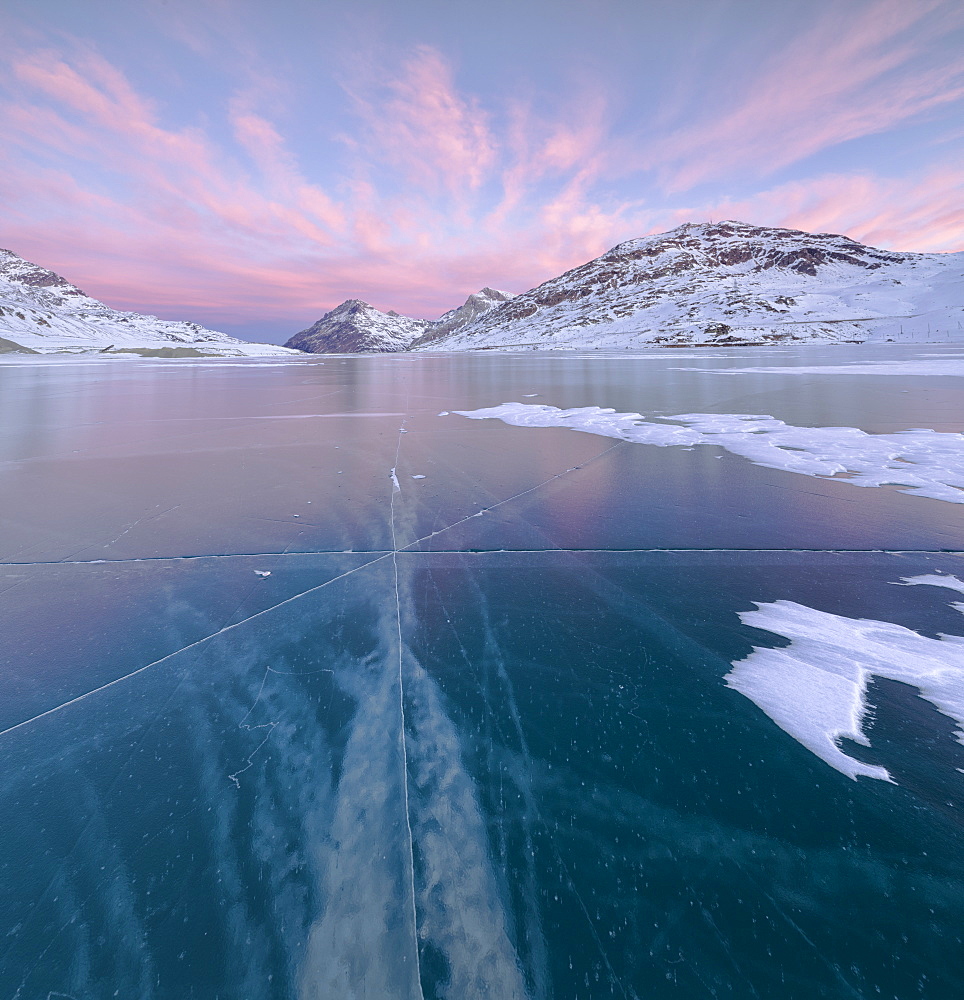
[469, 772]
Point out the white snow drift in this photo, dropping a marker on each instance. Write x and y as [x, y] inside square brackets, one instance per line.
[949, 366]
[815, 689]
[926, 463]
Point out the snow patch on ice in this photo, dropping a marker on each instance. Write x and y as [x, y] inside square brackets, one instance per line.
[949, 367]
[815, 688]
[925, 462]
[934, 580]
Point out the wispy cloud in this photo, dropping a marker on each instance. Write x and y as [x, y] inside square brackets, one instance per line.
[857, 71]
[176, 213]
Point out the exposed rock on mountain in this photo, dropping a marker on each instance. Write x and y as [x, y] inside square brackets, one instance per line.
[356, 327]
[727, 283]
[42, 313]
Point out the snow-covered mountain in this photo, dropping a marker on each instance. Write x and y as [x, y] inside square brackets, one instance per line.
[729, 283]
[356, 327]
[43, 313]
[720, 283]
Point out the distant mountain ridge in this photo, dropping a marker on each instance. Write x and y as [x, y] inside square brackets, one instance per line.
[356, 327]
[41, 312]
[728, 282]
[716, 283]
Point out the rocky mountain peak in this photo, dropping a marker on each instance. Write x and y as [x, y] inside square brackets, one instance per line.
[355, 327]
[477, 304]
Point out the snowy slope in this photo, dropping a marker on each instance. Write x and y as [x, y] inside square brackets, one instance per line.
[357, 327]
[729, 282]
[43, 313]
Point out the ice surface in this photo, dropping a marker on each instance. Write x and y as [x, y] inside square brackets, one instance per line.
[926, 462]
[815, 688]
[453, 773]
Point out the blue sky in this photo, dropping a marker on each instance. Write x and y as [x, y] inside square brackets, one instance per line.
[250, 165]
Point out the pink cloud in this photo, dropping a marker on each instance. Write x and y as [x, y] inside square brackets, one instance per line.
[108, 100]
[266, 147]
[569, 148]
[420, 123]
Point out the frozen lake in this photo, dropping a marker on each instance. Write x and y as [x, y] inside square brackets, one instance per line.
[339, 677]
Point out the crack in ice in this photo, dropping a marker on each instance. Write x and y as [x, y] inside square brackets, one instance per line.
[184, 649]
[243, 724]
[404, 550]
[401, 708]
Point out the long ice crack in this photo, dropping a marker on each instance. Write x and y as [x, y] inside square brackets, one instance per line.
[401, 708]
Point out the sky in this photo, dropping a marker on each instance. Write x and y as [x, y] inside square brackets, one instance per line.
[249, 164]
